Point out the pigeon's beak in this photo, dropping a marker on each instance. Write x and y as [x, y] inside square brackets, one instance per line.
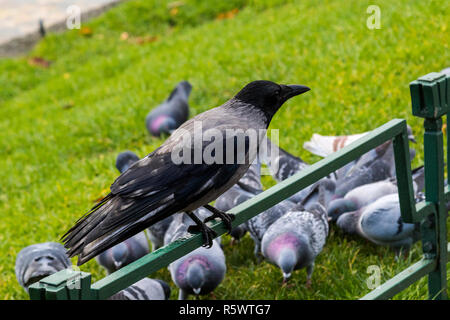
[286, 277]
[196, 290]
[293, 90]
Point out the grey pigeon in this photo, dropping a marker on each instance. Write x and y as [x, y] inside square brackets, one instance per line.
[381, 223]
[38, 261]
[156, 187]
[327, 190]
[360, 197]
[145, 289]
[124, 253]
[172, 113]
[325, 145]
[259, 224]
[364, 195]
[200, 271]
[294, 240]
[157, 231]
[375, 171]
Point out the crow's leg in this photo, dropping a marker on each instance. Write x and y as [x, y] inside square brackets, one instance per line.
[208, 233]
[225, 217]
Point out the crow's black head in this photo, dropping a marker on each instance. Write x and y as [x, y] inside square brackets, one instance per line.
[269, 96]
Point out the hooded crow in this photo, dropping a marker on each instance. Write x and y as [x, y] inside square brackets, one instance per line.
[156, 186]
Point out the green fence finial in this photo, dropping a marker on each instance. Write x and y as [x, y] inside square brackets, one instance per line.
[430, 95]
[66, 284]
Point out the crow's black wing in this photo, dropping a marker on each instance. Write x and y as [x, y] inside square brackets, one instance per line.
[150, 190]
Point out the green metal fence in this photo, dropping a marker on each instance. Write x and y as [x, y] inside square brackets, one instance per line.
[430, 100]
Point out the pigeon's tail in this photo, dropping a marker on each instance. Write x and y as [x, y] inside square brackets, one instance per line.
[182, 90]
[326, 145]
[111, 221]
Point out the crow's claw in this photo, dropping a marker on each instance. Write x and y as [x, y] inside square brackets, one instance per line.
[227, 218]
[208, 233]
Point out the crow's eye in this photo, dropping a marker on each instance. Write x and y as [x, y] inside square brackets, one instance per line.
[277, 93]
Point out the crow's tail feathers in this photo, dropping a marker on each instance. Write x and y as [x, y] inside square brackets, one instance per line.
[111, 221]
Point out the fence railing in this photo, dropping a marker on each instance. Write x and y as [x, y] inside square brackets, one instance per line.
[430, 100]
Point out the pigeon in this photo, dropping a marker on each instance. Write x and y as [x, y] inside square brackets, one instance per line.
[259, 224]
[170, 114]
[38, 261]
[295, 239]
[358, 176]
[124, 253]
[145, 289]
[364, 195]
[326, 145]
[328, 187]
[200, 271]
[381, 223]
[158, 186]
[155, 232]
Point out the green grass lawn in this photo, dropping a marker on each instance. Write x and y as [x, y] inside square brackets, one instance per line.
[61, 127]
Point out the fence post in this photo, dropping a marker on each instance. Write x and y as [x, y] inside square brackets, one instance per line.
[429, 101]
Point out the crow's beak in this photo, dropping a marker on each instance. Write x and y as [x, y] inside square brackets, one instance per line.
[293, 90]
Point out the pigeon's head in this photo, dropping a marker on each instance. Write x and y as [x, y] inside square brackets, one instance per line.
[119, 255]
[268, 96]
[39, 261]
[339, 206]
[195, 277]
[348, 222]
[287, 260]
[125, 159]
[41, 267]
[238, 232]
[287, 250]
